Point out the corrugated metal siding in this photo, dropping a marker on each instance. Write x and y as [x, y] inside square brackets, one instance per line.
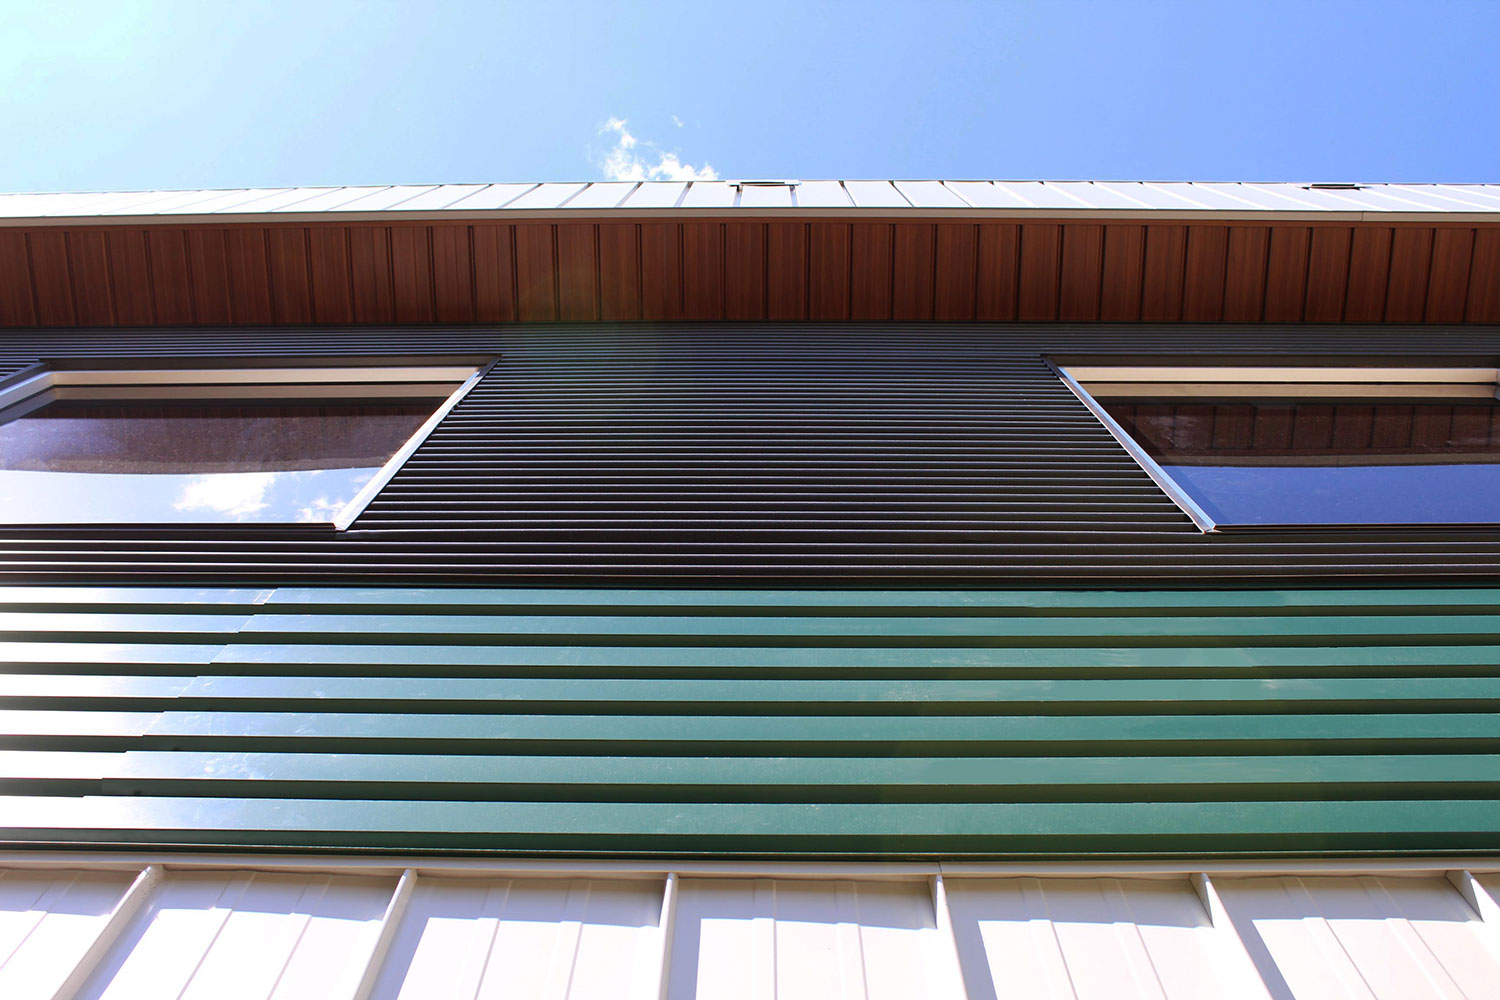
[872, 935]
[984, 724]
[743, 454]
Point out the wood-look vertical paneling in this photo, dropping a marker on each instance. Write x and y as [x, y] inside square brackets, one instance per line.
[619, 272]
[1120, 282]
[171, 276]
[130, 278]
[912, 276]
[1411, 265]
[1448, 280]
[291, 285]
[1203, 274]
[828, 269]
[825, 270]
[88, 258]
[871, 260]
[1082, 273]
[1162, 268]
[786, 270]
[208, 259]
[17, 307]
[1245, 273]
[411, 274]
[1369, 273]
[494, 274]
[1286, 274]
[661, 271]
[453, 274]
[702, 270]
[370, 267]
[1484, 279]
[1040, 248]
[249, 279]
[957, 263]
[328, 263]
[577, 274]
[536, 273]
[1327, 274]
[744, 270]
[53, 278]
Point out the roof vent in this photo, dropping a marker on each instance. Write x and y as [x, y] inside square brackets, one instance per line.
[1334, 186]
[741, 185]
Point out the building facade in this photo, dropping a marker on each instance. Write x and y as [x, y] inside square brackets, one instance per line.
[793, 589]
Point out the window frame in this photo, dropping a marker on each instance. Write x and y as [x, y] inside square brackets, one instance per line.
[325, 379]
[1299, 379]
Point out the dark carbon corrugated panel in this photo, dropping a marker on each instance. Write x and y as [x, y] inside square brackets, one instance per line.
[762, 453]
[849, 723]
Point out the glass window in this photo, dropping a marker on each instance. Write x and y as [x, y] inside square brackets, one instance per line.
[1245, 447]
[243, 446]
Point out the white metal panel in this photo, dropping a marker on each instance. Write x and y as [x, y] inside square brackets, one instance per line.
[247, 936]
[766, 196]
[223, 199]
[337, 198]
[271, 202]
[385, 198]
[163, 201]
[1103, 938]
[112, 204]
[48, 920]
[822, 194]
[709, 194]
[439, 198]
[26, 206]
[69, 205]
[657, 194]
[1369, 938]
[987, 194]
[491, 196]
[1039, 195]
[929, 194]
[791, 939]
[1216, 197]
[605, 194]
[1124, 196]
[545, 196]
[1455, 198]
[578, 939]
[1480, 195]
[875, 194]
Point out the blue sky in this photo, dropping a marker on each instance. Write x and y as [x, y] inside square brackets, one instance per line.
[120, 95]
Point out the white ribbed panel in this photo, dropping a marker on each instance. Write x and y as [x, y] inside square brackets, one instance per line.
[1368, 938]
[47, 922]
[543, 939]
[780, 939]
[875, 934]
[1090, 939]
[217, 936]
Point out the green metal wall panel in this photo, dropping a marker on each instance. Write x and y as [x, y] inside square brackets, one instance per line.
[820, 723]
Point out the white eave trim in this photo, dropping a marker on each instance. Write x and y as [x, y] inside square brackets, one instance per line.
[564, 214]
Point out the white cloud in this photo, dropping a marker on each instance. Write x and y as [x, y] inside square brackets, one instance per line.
[677, 121]
[632, 160]
[237, 494]
[321, 509]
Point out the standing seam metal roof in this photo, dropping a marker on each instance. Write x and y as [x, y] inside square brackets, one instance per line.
[1051, 198]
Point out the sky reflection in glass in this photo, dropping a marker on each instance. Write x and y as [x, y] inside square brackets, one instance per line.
[1344, 462]
[1368, 494]
[151, 463]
